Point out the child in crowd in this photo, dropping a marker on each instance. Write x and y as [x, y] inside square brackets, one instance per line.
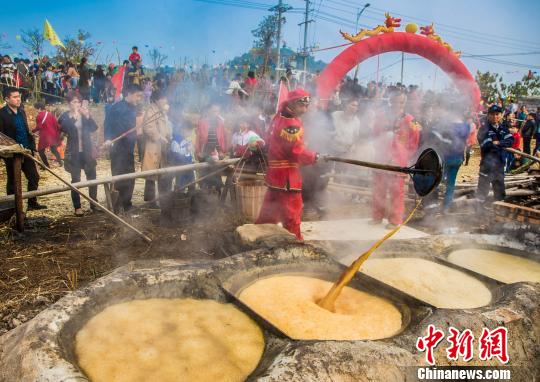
[134, 57]
[182, 154]
[147, 89]
[510, 157]
[49, 133]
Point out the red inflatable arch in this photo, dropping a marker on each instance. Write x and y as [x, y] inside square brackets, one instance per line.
[398, 42]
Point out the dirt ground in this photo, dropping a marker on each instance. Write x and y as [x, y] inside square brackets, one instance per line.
[59, 252]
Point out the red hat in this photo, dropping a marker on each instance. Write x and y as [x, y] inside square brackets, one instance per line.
[298, 95]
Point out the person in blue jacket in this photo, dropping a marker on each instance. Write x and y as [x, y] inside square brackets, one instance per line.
[493, 136]
[451, 132]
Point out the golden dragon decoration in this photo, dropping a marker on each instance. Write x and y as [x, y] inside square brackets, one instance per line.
[389, 25]
[429, 32]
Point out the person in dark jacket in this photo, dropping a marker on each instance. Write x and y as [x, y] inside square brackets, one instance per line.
[84, 79]
[13, 123]
[99, 85]
[527, 133]
[121, 123]
[493, 136]
[80, 153]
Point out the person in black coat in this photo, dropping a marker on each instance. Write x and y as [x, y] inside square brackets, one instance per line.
[528, 130]
[13, 123]
[493, 136]
[120, 122]
[99, 85]
[80, 152]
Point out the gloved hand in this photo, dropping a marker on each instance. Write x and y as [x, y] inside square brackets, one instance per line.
[321, 158]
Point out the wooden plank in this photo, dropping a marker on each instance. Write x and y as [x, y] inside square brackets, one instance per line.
[517, 208]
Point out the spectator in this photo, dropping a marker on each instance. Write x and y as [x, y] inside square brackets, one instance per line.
[471, 140]
[250, 83]
[121, 123]
[528, 131]
[182, 152]
[157, 141]
[7, 71]
[14, 124]
[244, 138]
[235, 89]
[493, 136]
[84, 80]
[99, 84]
[452, 132]
[522, 115]
[73, 75]
[135, 74]
[78, 126]
[49, 84]
[147, 90]
[49, 134]
[134, 57]
[346, 128]
[210, 144]
[398, 137]
[510, 157]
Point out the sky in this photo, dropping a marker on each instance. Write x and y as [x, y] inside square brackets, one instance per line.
[212, 31]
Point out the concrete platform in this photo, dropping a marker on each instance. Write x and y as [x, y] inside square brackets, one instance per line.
[353, 230]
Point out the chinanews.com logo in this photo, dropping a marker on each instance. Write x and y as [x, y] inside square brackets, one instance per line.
[492, 345]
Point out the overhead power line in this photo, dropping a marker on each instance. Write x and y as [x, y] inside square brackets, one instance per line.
[451, 28]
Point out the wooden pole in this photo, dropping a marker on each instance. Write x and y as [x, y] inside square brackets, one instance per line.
[118, 178]
[378, 166]
[17, 185]
[92, 201]
[528, 156]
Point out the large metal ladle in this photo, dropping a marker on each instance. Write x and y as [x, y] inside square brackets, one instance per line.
[426, 173]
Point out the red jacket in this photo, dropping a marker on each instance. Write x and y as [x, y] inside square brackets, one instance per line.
[286, 153]
[517, 141]
[202, 136]
[49, 130]
[399, 139]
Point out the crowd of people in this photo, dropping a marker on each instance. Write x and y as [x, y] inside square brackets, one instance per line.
[207, 115]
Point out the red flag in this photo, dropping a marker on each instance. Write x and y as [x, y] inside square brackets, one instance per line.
[282, 95]
[118, 82]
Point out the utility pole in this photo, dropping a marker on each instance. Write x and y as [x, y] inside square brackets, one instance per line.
[305, 50]
[358, 14]
[402, 61]
[280, 9]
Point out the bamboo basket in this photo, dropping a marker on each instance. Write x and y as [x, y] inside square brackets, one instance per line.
[249, 197]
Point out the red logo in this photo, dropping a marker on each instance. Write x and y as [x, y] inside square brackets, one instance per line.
[460, 344]
[491, 344]
[429, 342]
[494, 344]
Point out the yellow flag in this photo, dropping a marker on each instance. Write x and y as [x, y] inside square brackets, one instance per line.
[50, 34]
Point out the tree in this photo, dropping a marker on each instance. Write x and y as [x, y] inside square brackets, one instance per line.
[33, 40]
[265, 36]
[531, 83]
[491, 86]
[157, 58]
[75, 48]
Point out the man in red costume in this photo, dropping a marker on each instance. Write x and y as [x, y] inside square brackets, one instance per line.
[286, 153]
[398, 136]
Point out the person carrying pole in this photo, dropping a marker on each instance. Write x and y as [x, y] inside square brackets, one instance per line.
[121, 118]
